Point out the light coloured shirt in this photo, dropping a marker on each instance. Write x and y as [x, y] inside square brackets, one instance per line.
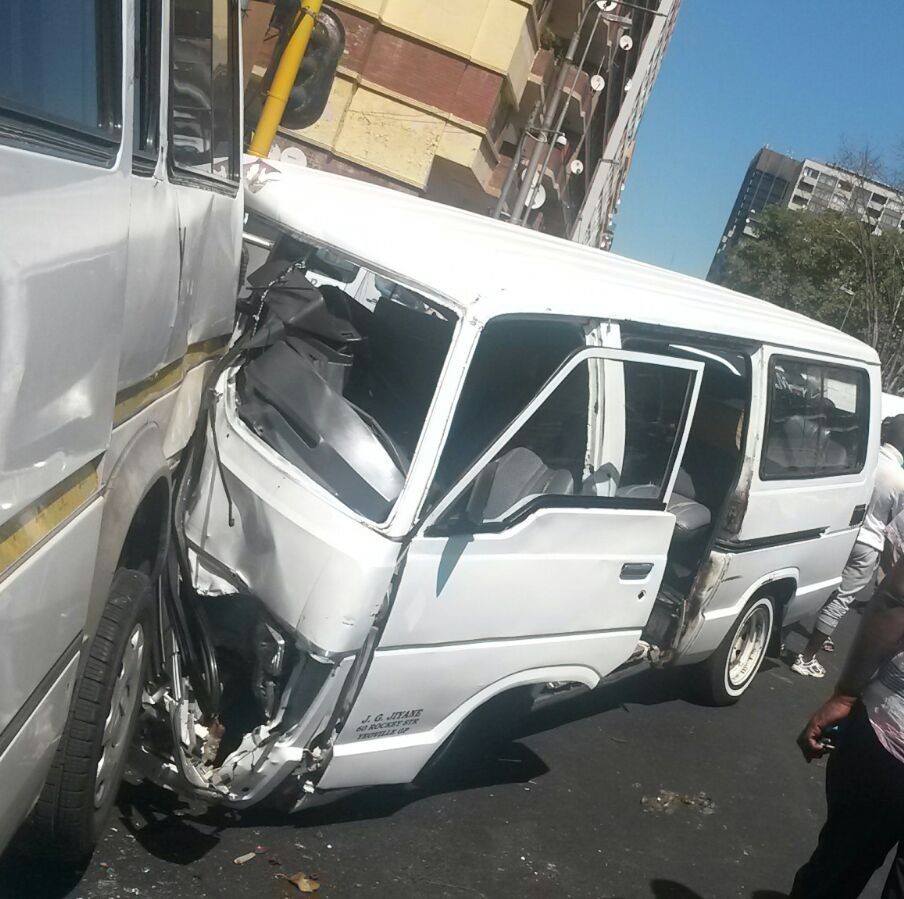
[887, 501]
[894, 537]
[884, 702]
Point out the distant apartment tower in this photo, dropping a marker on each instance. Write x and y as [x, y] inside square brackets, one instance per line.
[437, 98]
[775, 179]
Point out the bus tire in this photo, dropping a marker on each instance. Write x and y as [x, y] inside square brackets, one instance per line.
[83, 781]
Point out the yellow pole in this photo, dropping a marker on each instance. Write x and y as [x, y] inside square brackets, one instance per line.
[284, 79]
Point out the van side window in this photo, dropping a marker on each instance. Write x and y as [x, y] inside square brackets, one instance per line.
[146, 114]
[514, 358]
[817, 421]
[608, 432]
[204, 88]
[61, 74]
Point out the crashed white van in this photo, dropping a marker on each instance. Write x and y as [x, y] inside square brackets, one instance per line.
[449, 458]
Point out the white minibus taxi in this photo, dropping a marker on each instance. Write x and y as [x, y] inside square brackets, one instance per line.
[450, 459]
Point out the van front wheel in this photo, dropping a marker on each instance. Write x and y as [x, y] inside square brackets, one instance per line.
[83, 781]
[730, 670]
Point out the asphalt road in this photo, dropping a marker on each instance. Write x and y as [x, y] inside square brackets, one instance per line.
[567, 807]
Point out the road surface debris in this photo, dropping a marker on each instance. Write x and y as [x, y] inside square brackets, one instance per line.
[667, 801]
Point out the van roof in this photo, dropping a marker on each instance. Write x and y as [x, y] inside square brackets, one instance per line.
[492, 268]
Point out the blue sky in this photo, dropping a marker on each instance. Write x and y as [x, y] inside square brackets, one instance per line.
[738, 74]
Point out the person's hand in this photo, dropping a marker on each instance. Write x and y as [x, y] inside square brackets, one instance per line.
[830, 712]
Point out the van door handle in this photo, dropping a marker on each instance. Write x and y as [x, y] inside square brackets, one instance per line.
[635, 571]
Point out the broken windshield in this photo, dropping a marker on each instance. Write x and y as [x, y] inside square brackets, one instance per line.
[344, 394]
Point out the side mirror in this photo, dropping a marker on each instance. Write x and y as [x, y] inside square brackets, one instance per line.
[308, 98]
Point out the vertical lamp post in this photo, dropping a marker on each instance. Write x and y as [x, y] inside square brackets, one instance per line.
[520, 207]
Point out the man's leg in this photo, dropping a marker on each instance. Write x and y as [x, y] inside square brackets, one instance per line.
[860, 568]
[864, 792]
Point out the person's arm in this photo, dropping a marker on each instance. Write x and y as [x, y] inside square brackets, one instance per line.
[887, 560]
[880, 636]
[894, 541]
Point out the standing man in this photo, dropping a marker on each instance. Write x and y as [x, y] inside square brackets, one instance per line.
[885, 503]
[865, 774]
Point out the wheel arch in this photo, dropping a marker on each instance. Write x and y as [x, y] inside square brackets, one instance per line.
[781, 584]
[782, 590]
[135, 521]
[489, 702]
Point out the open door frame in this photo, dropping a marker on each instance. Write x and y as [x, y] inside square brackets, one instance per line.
[559, 590]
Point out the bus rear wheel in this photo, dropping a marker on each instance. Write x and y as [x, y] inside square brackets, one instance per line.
[81, 788]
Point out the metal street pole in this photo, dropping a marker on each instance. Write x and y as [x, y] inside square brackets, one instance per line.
[552, 137]
[512, 173]
[519, 207]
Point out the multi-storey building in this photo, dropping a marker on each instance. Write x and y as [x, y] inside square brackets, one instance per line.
[443, 97]
[773, 178]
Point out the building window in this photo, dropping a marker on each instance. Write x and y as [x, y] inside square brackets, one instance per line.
[60, 66]
[811, 173]
[817, 424]
[205, 88]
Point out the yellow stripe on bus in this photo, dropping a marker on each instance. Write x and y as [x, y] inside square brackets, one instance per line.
[132, 400]
[23, 532]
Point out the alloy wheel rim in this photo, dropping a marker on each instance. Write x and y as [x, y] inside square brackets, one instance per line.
[126, 693]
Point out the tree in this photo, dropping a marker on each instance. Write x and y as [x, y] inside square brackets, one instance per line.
[834, 266]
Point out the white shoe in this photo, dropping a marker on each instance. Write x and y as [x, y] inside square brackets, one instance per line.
[808, 669]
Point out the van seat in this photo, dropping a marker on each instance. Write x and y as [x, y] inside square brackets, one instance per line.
[690, 516]
[803, 443]
[518, 475]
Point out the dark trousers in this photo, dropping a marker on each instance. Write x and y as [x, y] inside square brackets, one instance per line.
[865, 798]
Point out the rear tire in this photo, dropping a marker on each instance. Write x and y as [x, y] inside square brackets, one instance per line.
[724, 677]
[81, 787]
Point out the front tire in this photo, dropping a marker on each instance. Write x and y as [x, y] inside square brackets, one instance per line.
[724, 677]
[81, 787]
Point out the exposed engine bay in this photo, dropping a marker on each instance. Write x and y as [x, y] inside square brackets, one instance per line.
[331, 373]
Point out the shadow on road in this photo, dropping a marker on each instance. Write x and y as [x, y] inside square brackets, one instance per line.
[649, 687]
[23, 877]
[166, 827]
[670, 889]
[485, 752]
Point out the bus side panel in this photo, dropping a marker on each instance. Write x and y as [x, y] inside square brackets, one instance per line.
[25, 762]
[62, 276]
[43, 604]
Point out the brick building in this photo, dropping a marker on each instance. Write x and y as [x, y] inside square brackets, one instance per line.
[433, 97]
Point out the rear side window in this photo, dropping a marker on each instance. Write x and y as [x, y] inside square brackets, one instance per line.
[60, 65]
[817, 421]
[205, 88]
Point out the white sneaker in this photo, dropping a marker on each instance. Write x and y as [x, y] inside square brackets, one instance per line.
[808, 669]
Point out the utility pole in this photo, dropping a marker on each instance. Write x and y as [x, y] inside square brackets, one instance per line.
[519, 207]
